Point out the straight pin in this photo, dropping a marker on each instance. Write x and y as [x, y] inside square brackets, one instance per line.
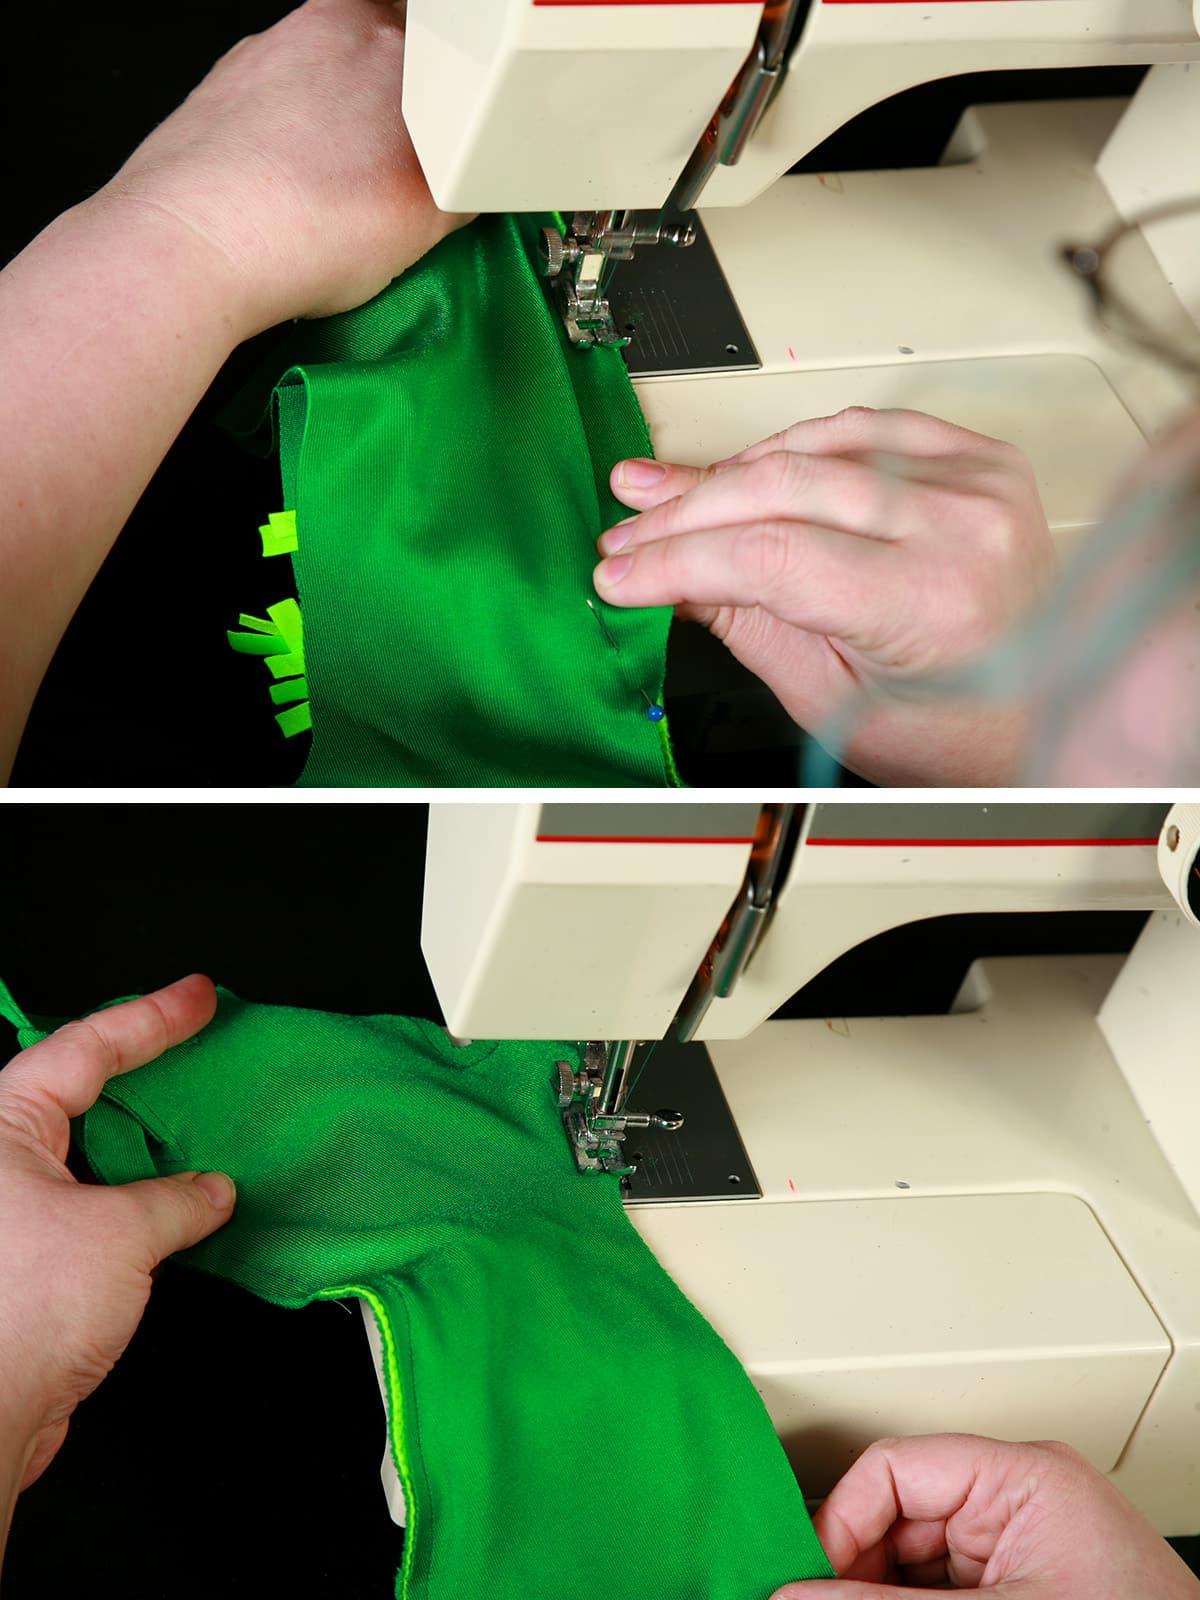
[654, 711]
[604, 627]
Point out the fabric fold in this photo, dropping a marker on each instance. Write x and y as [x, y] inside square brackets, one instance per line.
[445, 455]
[563, 1419]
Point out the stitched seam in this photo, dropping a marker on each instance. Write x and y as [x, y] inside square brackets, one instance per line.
[130, 1101]
[403, 1441]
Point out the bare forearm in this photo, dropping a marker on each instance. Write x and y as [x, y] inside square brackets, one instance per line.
[12, 1468]
[285, 186]
[7, 1502]
[113, 322]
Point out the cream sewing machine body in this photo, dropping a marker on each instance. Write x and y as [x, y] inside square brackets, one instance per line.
[982, 1221]
[941, 289]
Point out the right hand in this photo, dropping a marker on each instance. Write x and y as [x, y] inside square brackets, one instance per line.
[847, 554]
[1027, 1521]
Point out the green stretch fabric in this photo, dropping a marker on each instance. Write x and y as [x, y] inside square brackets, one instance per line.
[564, 1421]
[446, 453]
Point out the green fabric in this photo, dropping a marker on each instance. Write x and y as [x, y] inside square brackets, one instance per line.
[564, 1421]
[446, 453]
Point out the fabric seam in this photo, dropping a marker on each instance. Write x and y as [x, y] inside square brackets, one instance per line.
[399, 1439]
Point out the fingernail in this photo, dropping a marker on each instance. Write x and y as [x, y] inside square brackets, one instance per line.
[617, 537]
[610, 572]
[640, 474]
[217, 1189]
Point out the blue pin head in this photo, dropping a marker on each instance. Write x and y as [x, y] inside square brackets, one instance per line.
[655, 713]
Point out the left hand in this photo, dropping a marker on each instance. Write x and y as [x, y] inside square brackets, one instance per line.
[292, 161]
[75, 1260]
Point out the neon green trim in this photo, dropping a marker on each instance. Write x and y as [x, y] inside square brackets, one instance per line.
[279, 636]
[279, 536]
[282, 694]
[256, 644]
[288, 623]
[397, 1418]
[664, 734]
[297, 720]
[286, 666]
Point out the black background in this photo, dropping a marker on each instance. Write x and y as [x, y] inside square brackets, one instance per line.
[235, 1450]
[131, 698]
[134, 700]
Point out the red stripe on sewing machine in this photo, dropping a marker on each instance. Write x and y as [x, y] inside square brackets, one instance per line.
[647, 2]
[643, 838]
[977, 844]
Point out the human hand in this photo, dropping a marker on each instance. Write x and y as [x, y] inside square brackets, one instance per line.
[1108, 711]
[1028, 1521]
[292, 163]
[849, 553]
[76, 1260]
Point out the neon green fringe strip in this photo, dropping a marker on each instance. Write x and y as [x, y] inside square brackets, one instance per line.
[279, 636]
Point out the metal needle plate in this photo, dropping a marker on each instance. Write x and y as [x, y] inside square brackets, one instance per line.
[705, 1159]
[679, 313]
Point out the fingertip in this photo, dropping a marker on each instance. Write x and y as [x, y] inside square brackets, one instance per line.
[644, 484]
[205, 986]
[616, 537]
[200, 982]
[827, 1589]
[198, 994]
[609, 574]
[638, 474]
[218, 1188]
[165, 1215]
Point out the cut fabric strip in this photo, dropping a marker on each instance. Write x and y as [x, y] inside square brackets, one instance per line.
[27, 1032]
[279, 639]
[445, 456]
[279, 534]
[562, 1418]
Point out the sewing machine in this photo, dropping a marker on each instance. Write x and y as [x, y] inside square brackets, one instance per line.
[941, 289]
[981, 1221]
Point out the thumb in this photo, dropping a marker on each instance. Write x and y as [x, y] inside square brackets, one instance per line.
[845, 1590]
[850, 1590]
[169, 1214]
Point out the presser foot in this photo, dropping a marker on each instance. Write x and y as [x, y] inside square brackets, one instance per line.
[580, 262]
[595, 1132]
